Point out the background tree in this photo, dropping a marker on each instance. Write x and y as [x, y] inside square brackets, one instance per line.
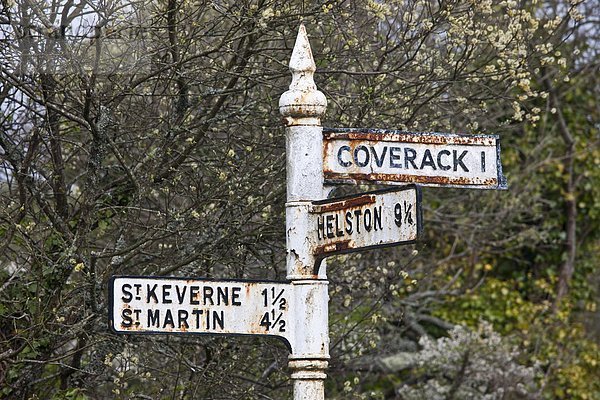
[143, 137]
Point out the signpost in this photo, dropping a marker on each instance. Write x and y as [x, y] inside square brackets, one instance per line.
[397, 157]
[369, 220]
[296, 311]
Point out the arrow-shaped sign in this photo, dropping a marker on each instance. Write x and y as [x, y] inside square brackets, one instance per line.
[369, 220]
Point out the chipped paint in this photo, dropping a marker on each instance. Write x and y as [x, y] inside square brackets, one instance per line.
[399, 157]
[170, 305]
[370, 220]
[302, 107]
[359, 200]
[356, 178]
[201, 306]
[410, 137]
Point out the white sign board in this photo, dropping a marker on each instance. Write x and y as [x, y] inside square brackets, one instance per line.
[180, 305]
[397, 157]
[368, 220]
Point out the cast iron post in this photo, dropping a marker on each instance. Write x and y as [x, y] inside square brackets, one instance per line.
[302, 107]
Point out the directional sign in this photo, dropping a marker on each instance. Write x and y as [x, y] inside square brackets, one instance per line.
[369, 220]
[145, 304]
[397, 157]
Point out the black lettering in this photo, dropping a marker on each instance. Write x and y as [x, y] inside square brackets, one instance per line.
[207, 295]
[329, 224]
[427, 160]
[458, 160]
[395, 156]
[266, 321]
[218, 319]
[151, 293]
[443, 167]
[182, 316]
[168, 319]
[408, 213]
[197, 313]
[222, 294]
[137, 316]
[320, 227]
[339, 156]
[165, 294]
[364, 150]
[126, 316]
[377, 218]
[127, 294]
[349, 222]
[409, 158]
[357, 214]
[379, 161]
[338, 232]
[138, 289]
[194, 295]
[154, 318]
[398, 214]
[368, 221]
[180, 295]
[483, 161]
[235, 295]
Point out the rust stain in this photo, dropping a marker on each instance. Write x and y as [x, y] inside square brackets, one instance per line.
[410, 137]
[310, 274]
[310, 298]
[133, 327]
[402, 178]
[344, 204]
[332, 247]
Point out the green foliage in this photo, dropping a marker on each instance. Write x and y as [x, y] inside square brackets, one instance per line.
[70, 394]
[500, 303]
[570, 359]
[555, 341]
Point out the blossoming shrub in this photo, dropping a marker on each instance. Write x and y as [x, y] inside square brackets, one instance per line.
[470, 364]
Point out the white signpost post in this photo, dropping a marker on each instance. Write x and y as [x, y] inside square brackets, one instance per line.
[302, 107]
[297, 310]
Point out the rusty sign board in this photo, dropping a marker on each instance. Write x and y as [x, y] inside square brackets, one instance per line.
[147, 304]
[369, 220]
[398, 157]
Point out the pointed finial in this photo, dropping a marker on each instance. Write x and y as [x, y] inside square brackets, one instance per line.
[303, 100]
[302, 60]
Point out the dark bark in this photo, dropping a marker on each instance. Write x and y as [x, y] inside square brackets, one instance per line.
[567, 268]
[459, 378]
